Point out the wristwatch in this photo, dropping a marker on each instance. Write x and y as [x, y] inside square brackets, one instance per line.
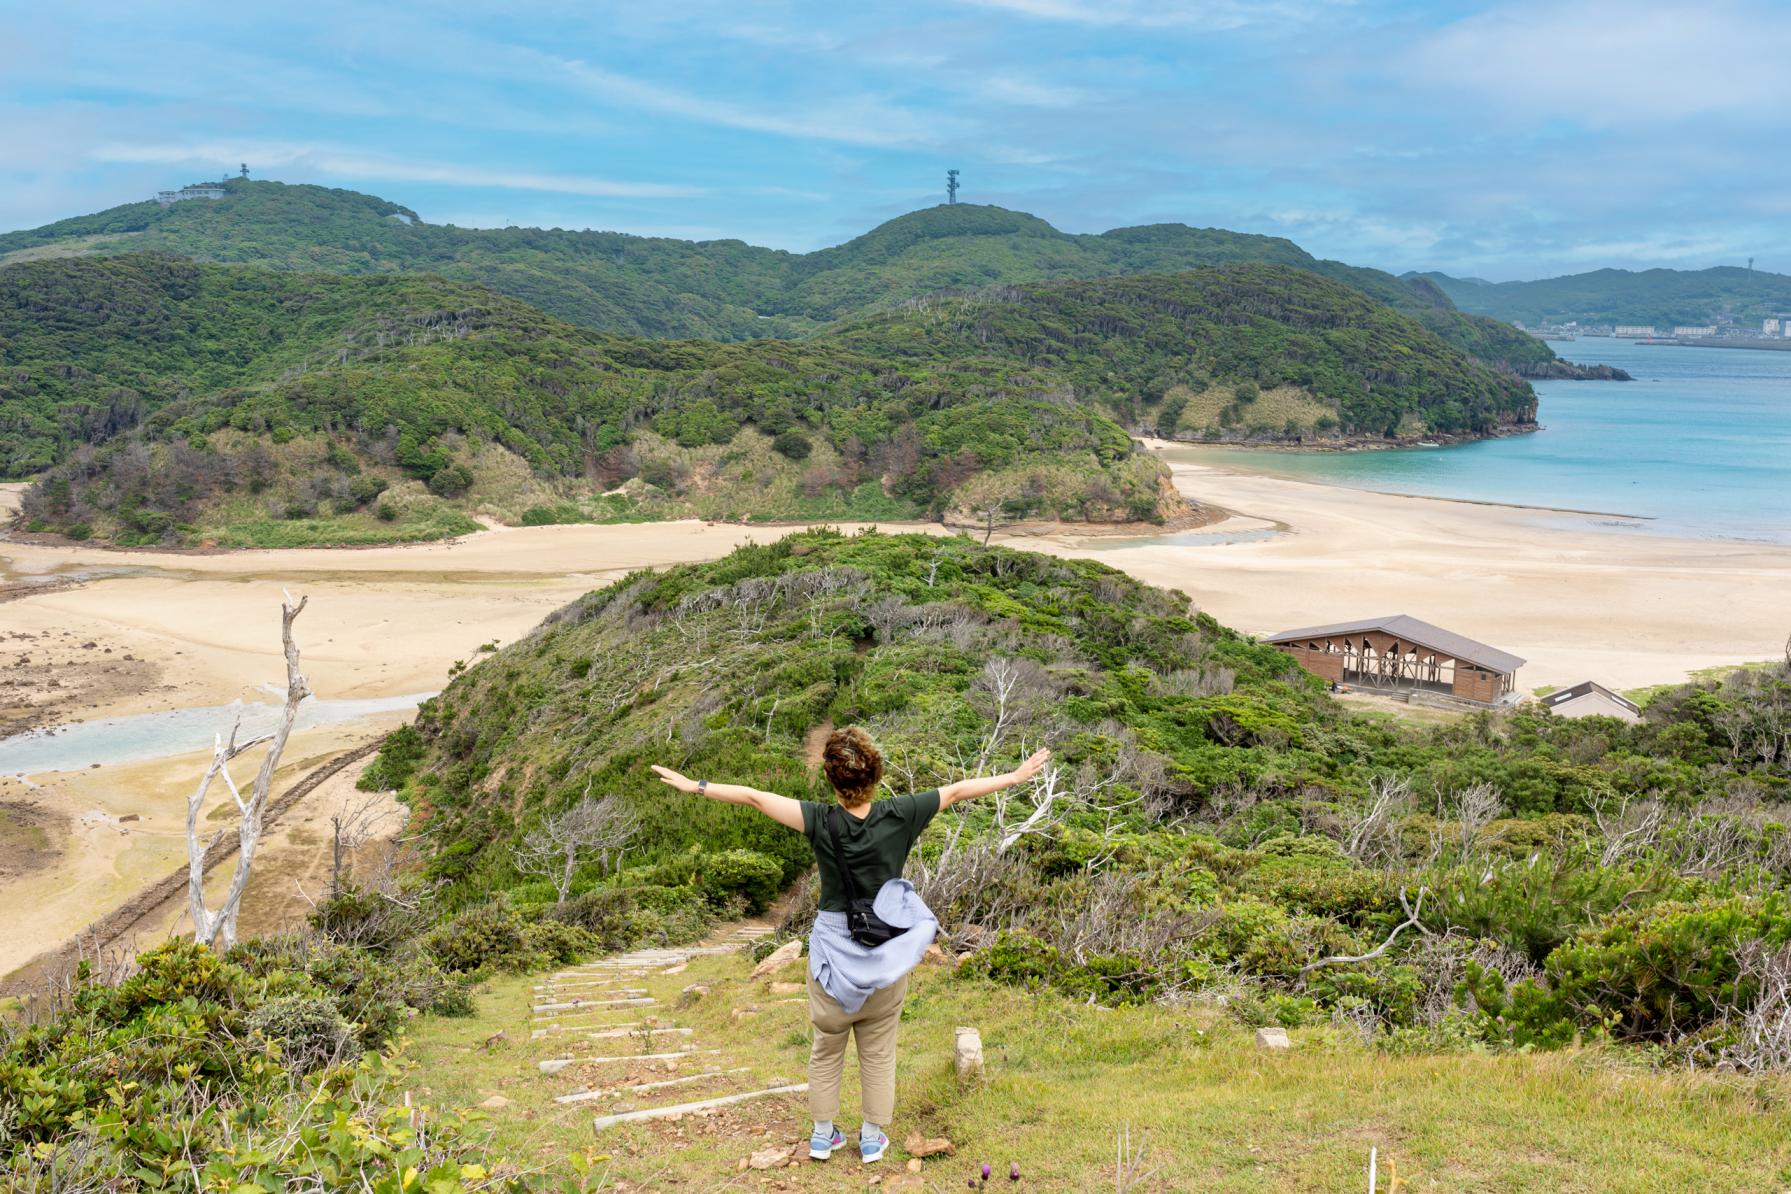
[702, 787]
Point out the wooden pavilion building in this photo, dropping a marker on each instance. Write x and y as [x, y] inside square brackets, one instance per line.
[1403, 653]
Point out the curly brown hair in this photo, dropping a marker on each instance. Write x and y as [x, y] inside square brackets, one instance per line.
[853, 765]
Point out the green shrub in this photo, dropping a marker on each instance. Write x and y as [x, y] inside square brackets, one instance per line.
[367, 919]
[1261, 1009]
[1025, 961]
[611, 915]
[793, 444]
[559, 942]
[396, 761]
[309, 1032]
[451, 482]
[486, 937]
[744, 873]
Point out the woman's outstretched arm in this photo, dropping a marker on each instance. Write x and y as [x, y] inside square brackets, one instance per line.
[970, 789]
[781, 809]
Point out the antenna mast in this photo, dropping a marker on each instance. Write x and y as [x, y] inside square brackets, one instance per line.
[951, 186]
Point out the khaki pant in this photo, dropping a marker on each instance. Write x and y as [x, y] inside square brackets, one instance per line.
[875, 1025]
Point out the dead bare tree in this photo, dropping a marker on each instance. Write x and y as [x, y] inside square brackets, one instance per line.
[1459, 828]
[220, 927]
[353, 826]
[553, 848]
[1628, 826]
[1372, 832]
[1052, 799]
[1760, 1037]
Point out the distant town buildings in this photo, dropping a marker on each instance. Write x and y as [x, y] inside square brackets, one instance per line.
[200, 191]
[1700, 330]
[1634, 329]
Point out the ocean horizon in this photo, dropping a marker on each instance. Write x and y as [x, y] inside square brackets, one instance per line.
[1698, 445]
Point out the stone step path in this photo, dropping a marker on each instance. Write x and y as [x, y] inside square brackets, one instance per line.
[565, 1003]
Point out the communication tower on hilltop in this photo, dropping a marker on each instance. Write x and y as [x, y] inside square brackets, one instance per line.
[951, 186]
[245, 172]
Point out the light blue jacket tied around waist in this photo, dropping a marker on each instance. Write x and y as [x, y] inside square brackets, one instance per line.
[850, 972]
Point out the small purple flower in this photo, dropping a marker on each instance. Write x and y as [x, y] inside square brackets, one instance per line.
[986, 1171]
[1013, 1171]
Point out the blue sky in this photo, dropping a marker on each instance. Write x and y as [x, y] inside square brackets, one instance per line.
[1516, 139]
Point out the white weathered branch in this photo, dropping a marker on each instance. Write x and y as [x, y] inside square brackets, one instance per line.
[1411, 919]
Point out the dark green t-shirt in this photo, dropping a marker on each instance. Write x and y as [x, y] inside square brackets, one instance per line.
[876, 846]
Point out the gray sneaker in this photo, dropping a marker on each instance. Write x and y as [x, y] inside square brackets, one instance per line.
[821, 1147]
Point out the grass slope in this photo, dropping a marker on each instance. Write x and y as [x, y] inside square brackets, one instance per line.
[1211, 1110]
[725, 289]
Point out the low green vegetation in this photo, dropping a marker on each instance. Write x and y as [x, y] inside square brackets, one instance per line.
[1135, 341]
[1217, 821]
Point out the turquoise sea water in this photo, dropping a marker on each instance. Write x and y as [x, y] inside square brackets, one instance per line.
[1699, 444]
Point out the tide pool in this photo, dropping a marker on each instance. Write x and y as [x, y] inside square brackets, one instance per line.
[1699, 444]
[177, 731]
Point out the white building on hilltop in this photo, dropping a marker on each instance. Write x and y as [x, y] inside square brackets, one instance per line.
[202, 191]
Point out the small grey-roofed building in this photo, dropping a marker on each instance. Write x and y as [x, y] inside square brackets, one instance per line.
[1589, 698]
[1403, 653]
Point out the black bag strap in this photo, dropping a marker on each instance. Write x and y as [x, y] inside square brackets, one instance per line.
[835, 821]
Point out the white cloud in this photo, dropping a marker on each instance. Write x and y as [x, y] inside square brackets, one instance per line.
[1030, 93]
[851, 119]
[1210, 15]
[1610, 63]
[350, 164]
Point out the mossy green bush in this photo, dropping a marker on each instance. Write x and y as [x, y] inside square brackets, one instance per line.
[306, 1031]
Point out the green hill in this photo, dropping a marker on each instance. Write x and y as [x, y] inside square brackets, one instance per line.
[1661, 297]
[1523, 934]
[724, 290]
[1219, 824]
[1227, 334]
[180, 402]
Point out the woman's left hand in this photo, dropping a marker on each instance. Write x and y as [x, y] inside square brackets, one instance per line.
[681, 782]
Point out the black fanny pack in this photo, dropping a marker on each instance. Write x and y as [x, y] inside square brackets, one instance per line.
[862, 922]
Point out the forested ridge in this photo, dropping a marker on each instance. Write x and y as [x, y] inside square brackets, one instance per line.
[1663, 298]
[175, 401]
[724, 289]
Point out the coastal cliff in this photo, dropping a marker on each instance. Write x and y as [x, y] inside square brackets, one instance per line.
[1559, 370]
